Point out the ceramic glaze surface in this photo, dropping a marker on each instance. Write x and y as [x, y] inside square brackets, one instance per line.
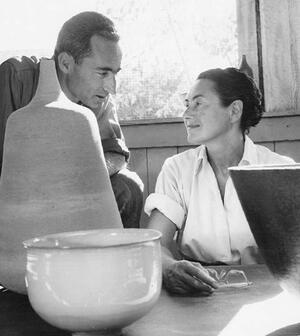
[54, 177]
[94, 280]
[270, 197]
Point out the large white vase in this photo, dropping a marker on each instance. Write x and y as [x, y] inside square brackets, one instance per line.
[54, 177]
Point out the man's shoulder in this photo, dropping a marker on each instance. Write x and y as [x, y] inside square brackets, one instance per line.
[21, 63]
[18, 82]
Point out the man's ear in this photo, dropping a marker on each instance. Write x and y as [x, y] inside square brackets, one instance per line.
[236, 111]
[65, 62]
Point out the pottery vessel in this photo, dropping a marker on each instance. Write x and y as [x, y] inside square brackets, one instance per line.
[54, 176]
[270, 197]
[94, 281]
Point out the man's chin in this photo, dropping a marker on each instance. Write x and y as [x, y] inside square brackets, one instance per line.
[97, 103]
[94, 106]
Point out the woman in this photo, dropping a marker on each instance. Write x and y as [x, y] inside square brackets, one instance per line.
[194, 196]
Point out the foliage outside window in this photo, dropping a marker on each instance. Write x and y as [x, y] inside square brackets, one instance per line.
[166, 44]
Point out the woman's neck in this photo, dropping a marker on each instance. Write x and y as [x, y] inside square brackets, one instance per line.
[226, 153]
[223, 154]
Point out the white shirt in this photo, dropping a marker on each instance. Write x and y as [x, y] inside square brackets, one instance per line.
[187, 193]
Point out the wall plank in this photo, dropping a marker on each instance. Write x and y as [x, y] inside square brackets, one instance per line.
[289, 148]
[155, 134]
[138, 163]
[269, 145]
[156, 158]
[276, 129]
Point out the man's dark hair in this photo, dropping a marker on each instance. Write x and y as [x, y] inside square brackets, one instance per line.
[75, 34]
[231, 84]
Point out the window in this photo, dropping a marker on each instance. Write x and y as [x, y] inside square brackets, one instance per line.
[166, 44]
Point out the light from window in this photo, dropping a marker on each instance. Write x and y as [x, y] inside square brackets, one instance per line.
[166, 44]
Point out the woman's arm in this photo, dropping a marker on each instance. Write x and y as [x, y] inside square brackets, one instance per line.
[179, 276]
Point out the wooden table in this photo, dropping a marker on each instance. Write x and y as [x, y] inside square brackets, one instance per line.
[173, 316]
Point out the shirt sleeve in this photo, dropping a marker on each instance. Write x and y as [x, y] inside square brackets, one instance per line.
[167, 197]
[110, 129]
[10, 98]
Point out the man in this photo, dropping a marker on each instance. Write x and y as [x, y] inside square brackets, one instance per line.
[87, 58]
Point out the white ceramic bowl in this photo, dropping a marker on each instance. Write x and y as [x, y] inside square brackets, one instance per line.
[99, 280]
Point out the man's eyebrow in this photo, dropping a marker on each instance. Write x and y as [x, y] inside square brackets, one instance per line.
[107, 69]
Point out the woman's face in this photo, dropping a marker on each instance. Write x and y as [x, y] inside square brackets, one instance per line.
[205, 118]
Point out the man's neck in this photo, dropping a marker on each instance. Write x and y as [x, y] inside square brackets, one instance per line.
[63, 85]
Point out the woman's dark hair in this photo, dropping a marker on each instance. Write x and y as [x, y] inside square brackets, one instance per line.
[231, 84]
[75, 34]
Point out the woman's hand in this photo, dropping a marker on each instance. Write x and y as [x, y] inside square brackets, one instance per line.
[180, 277]
[184, 277]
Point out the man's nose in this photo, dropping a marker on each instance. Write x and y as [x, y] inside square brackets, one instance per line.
[109, 84]
[187, 113]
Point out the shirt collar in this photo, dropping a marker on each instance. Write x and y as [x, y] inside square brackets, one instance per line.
[249, 155]
[201, 158]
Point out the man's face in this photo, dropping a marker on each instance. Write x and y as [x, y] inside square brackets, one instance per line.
[94, 78]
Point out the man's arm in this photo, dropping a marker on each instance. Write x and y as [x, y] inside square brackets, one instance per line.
[115, 150]
[114, 162]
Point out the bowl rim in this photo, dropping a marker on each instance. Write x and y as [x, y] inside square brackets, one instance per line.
[50, 241]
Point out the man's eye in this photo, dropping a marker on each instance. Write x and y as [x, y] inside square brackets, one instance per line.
[103, 74]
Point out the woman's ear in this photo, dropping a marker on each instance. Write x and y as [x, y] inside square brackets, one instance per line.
[65, 62]
[236, 111]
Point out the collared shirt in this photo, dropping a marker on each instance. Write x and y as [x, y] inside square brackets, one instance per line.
[18, 83]
[187, 193]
